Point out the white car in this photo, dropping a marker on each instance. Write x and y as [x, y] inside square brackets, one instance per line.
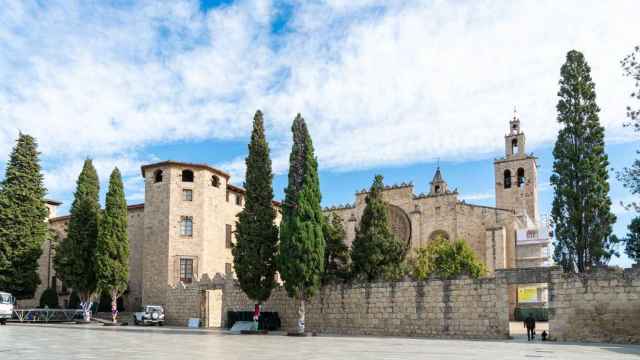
[6, 307]
[150, 314]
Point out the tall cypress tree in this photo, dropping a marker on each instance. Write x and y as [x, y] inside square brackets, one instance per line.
[376, 252]
[581, 208]
[301, 256]
[256, 234]
[75, 259]
[23, 212]
[112, 251]
[336, 252]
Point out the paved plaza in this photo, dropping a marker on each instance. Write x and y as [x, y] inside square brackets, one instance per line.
[54, 342]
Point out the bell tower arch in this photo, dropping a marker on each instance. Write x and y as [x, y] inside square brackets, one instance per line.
[516, 180]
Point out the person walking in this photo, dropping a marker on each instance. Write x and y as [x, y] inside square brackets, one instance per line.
[530, 325]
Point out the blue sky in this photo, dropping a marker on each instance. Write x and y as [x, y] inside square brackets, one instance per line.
[386, 86]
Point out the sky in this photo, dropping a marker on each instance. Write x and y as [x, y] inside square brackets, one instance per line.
[389, 87]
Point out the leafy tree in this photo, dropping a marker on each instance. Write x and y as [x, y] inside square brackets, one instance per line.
[376, 252]
[630, 176]
[301, 252]
[257, 236]
[336, 252]
[581, 208]
[446, 260]
[75, 258]
[74, 300]
[23, 212]
[632, 241]
[112, 251]
[49, 299]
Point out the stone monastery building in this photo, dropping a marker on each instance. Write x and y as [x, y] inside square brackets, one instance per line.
[184, 230]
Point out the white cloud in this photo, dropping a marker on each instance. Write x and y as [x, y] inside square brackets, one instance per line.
[379, 82]
[489, 195]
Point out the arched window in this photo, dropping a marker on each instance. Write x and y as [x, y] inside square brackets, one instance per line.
[215, 181]
[507, 179]
[520, 177]
[437, 189]
[187, 176]
[514, 146]
[157, 176]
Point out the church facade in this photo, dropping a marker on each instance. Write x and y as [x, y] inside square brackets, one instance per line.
[507, 235]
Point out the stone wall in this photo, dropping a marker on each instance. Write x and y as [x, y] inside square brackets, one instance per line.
[602, 306]
[183, 303]
[462, 308]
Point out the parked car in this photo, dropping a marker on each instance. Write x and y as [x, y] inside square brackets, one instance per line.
[150, 314]
[6, 307]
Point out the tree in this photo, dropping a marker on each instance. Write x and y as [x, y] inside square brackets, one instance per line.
[336, 253]
[632, 241]
[376, 252]
[49, 299]
[75, 258]
[581, 210]
[257, 236]
[301, 251]
[23, 212]
[446, 260]
[112, 250]
[630, 176]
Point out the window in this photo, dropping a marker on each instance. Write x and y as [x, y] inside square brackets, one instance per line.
[187, 195]
[215, 181]
[186, 270]
[437, 210]
[157, 176]
[507, 179]
[186, 226]
[228, 242]
[520, 177]
[238, 199]
[227, 268]
[437, 189]
[187, 176]
[514, 146]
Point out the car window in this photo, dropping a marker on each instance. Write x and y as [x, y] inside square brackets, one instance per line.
[5, 298]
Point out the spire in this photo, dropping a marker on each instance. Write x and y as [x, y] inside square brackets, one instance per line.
[438, 185]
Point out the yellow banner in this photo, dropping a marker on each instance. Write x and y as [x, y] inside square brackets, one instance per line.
[527, 294]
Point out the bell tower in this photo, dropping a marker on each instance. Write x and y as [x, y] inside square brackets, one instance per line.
[516, 174]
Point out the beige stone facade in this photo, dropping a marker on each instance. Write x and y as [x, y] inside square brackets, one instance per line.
[181, 234]
[508, 235]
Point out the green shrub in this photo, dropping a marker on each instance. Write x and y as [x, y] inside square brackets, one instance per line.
[74, 300]
[540, 314]
[446, 260]
[49, 299]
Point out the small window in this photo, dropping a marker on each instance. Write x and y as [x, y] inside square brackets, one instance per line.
[215, 181]
[507, 179]
[228, 241]
[238, 199]
[157, 176]
[514, 146]
[187, 195]
[437, 189]
[187, 176]
[228, 269]
[186, 226]
[186, 270]
[520, 177]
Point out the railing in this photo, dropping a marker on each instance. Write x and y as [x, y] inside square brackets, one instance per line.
[533, 241]
[47, 315]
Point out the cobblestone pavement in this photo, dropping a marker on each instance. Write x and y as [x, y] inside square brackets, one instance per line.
[54, 342]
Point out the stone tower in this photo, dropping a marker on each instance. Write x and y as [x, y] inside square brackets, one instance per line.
[516, 175]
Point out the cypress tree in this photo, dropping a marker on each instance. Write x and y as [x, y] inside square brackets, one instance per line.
[23, 212]
[75, 259]
[256, 234]
[376, 252]
[581, 208]
[112, 250]
[336, 252]
[301, 256]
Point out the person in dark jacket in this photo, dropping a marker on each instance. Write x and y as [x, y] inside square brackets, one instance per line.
[530, 325]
